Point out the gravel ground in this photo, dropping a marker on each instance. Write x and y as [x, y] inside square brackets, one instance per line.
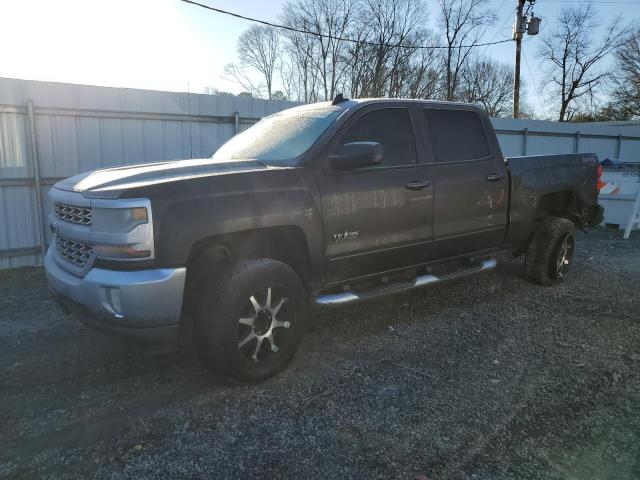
[487, 378]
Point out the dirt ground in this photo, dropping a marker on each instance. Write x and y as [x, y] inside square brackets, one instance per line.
[487, 378]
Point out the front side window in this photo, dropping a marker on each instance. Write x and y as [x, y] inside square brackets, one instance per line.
[281, 137]
[391, 128]
[456, 135]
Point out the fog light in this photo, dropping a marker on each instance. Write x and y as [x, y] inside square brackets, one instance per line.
[113, 299]
[111, 251]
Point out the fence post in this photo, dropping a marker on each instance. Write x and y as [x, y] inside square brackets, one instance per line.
[618, 146]
[236, 123]
[524, 141]
[35, 162]
[576, 143]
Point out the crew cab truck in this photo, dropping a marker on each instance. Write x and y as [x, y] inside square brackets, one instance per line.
[325, 204]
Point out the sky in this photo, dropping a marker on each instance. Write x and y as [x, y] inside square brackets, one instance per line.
[170, 45]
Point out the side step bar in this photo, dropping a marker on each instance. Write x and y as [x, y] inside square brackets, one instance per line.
[343, 298]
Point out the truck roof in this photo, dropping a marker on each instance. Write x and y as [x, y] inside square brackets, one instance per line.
[347, 104]
[350, 103]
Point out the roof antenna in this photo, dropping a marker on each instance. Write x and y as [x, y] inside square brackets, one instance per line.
[339, 98]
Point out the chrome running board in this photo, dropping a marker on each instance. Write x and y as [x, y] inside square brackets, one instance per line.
[343, 298]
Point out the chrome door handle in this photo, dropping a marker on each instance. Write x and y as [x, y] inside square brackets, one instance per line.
[417, 184]
[494, 177]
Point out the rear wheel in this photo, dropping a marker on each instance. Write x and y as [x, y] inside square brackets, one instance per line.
[550, 252]
[250, 321]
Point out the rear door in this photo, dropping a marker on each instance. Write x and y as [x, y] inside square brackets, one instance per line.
[471, 186]
[376, 218]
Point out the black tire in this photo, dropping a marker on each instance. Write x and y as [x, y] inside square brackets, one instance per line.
[225, 308]
[550, 252]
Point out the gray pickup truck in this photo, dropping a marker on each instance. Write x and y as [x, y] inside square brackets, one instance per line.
[325, 204]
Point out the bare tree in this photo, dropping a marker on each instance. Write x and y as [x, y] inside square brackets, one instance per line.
[573, 56]
[627, 81]
[386, 54]
[416, 73]
[380, 60]
[329, 20]
[398, 28]
[425, 80]
[488, 83]
[299, 49]
[358, 62]
[239, 75]
[259, 48]
[279, 95]
[288, 77]
[463, 23]
[371, 48]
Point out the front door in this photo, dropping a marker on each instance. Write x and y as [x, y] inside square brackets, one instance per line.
[377, 218]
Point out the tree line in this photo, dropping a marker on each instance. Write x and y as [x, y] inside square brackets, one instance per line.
[383, 48]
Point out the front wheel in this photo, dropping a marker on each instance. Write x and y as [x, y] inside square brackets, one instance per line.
[550, 252]
[250, 321]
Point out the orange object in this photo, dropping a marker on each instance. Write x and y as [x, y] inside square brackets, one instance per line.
[599, 183]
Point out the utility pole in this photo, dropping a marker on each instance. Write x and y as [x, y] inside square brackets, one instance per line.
[530, 25]
[518, 31]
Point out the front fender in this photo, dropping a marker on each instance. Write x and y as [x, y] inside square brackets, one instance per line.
[280, 198]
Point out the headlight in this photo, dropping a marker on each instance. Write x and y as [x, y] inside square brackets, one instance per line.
[122, 229]
[118, 220]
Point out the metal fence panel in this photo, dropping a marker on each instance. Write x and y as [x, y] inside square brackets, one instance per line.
[539, 145]
[81, 127]
[510, 144]
[603, 147]
[630, 149]
[14, 152]
[18, 234]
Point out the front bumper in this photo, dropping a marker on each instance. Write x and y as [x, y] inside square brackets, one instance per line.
[142, 306]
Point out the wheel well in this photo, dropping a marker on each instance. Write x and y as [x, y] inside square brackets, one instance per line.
[565, 204]
[286, 244]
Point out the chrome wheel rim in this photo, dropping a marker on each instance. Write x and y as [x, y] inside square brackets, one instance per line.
[564, 256]
[262, 322]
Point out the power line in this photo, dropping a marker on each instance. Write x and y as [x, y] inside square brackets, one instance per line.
[511, 12]
[342, 39]
[535, 89]
[501, 4]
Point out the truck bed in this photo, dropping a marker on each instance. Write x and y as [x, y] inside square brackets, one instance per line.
[540, 183]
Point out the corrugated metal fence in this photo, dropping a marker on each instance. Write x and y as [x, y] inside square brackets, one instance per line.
[49, 131]
[538, 137]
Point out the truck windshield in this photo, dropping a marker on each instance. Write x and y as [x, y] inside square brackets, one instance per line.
[282, 136]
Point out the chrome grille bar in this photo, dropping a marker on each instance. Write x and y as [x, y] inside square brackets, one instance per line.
[72, 213]
[73, 252]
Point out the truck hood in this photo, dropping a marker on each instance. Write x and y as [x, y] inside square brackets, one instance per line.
[110, 182]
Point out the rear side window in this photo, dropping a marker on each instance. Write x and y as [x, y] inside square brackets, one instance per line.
[392, 128]
[456, 135]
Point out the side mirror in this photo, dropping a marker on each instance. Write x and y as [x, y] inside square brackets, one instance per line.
[356, 155]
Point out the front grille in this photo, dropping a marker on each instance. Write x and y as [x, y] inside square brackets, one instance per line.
[73, 214]
[73, 252]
